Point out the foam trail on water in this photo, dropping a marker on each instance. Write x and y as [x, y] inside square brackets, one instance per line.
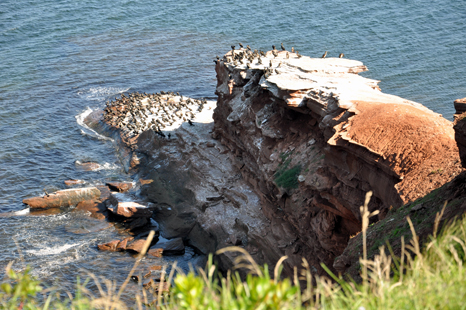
[86, 130]
[52, 250]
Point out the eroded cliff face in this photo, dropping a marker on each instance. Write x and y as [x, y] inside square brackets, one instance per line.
[312, 137]
[283, 164]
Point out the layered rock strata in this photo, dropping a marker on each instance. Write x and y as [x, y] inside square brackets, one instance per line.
[312, 137]
[296, 144]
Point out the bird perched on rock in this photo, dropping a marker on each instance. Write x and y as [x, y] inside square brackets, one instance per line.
[341, 55]
[283, 47]
[324, 55]
[233, 47]
[273, 47]
[287, 55]
[292, 49]
[240, 45]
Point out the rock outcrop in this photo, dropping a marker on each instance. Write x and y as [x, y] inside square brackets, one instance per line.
[460, 128]
[63, 198]
[295, 145]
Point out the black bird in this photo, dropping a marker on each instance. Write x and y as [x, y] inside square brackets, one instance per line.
[190, 123]
[273, 47]
[324, 55]
[248, 47]
[283, 47]
[233, 47]
[240, 45]
[341, 55]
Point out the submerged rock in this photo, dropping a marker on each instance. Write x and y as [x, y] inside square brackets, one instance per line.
[73, 182]
[87, 166]
[96, 208]
[63, 198]
[87, 225]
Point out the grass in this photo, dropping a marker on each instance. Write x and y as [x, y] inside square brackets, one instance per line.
[430, 278]
[284, 177]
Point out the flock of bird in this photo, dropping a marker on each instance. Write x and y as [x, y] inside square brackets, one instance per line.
[135, 112]
[246, 55]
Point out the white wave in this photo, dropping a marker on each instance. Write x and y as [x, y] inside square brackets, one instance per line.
[22, 212]
[86, 130]
[100, 93]
[122, 197]
[108, 166]
[52, 250]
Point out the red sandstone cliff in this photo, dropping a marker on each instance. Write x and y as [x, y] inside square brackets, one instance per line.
[336, 136]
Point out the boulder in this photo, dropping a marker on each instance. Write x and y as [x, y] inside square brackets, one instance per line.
[63, 198]
[109, 246]
[124, 243]
[460, 135]
[104, 192]
[131, 210]
[119, 186]
[155, 253]
[460, 106]
[137, 245]
[136, 223]
[170, 247]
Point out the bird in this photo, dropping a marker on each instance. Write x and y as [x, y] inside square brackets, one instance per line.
[283, 47]
[287, 55]
[292, 49]
[324, 55]
[46, 194]
[240, 45]
[190, 123]
[273, 47]
[233, 47]
[341, 55]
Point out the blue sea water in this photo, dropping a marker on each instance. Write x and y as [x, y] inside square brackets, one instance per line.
[59, 58]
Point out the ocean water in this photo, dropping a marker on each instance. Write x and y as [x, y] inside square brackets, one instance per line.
[59, 59]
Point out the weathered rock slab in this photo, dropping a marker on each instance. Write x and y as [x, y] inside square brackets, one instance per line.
[63, 198]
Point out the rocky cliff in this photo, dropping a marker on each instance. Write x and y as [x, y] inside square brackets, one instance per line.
[312, 137]
[295, 144]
